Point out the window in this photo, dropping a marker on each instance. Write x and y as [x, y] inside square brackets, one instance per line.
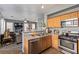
[10, 26]
[33, 26]
[26, 27]
[30, 26]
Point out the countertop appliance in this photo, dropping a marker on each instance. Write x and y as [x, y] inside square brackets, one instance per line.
[74, 22]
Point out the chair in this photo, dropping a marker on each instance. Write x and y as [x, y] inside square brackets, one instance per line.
[13, 36]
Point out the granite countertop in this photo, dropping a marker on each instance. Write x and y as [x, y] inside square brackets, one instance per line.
[30, 37]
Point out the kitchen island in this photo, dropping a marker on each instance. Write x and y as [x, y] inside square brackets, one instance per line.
[37, 43]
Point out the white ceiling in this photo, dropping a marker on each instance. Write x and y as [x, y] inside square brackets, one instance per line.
[21, 11]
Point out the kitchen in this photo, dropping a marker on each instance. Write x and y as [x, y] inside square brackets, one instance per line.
[41, 28]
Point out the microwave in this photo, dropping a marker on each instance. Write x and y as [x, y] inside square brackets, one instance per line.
[74, 22]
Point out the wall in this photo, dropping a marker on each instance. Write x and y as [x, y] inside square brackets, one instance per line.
[65, 30]
[2, 22]
[68, 29]
[40, 22]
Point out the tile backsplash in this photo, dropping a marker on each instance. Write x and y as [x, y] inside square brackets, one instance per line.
[75, 29]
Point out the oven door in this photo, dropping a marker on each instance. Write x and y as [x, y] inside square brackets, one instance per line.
[68, 46]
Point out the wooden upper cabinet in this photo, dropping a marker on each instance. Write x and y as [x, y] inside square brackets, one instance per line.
[49, 21]
[78, 14]
[73, 15]
[57, 22]
[54, 22]
[69, 16]
[65, 17]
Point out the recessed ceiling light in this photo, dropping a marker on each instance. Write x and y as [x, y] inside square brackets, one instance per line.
[42, 6]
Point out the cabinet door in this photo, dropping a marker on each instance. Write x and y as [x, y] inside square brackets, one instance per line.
[78, 46]
[78, 14]
[44, 42]
[33, 47]
[57, 22]
[50, 22]
[26, 45]
[65, 17]
[54, 22]
[49, 42]
[73, 15]
[39, 45]
[55, 41]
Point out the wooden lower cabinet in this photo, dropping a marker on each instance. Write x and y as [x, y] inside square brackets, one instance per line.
[44, 43]
[49, 41]
[78, 14]
[26, 45]
[78, 46]
[40, 44]
[55, 41]
[33, 47]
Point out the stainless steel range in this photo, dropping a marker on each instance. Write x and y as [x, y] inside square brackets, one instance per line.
[68, 44]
